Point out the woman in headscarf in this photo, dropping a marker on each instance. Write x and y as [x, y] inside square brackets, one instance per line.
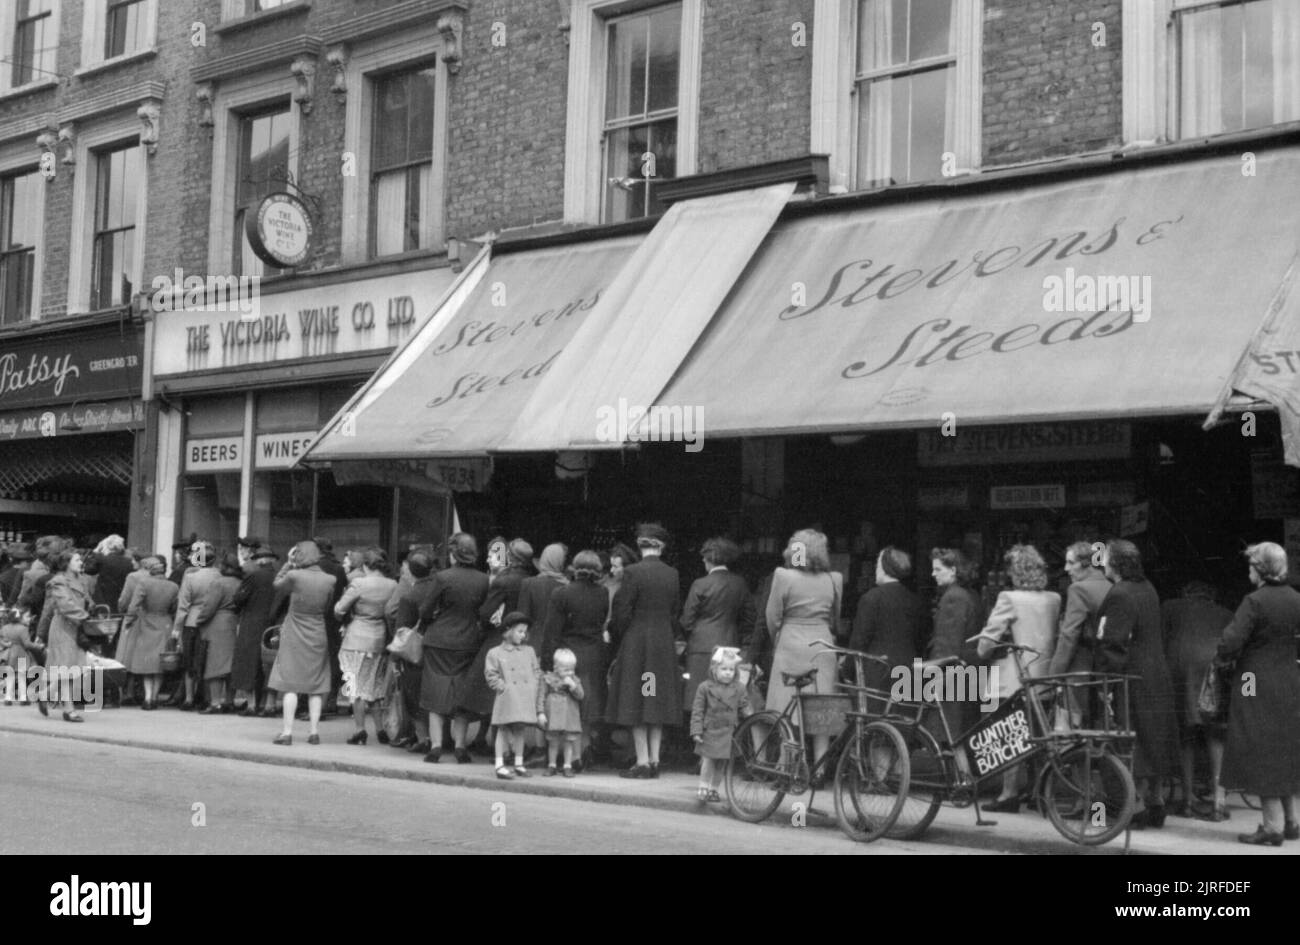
[452, 637]
[535, 598]
[67, 606]
[576, 622]
[1263, 751]
[508, 567]
[302, 663]
[152, 603]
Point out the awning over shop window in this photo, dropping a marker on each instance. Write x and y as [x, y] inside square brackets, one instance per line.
[628, 348]
[1126, 293]
[459, 385]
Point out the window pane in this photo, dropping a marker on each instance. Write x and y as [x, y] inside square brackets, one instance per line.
[392, 121]
[929, 31]
[929, 114]
[625, 85]
[665, 44]
[882, 33]
[389, 197]
[634, 196]
[420, 146]
[264, 155]
[16, 272]
[902, 127]
[21, 223]
[1258, 65]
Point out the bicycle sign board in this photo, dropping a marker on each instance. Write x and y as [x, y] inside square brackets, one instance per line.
[1001, 739]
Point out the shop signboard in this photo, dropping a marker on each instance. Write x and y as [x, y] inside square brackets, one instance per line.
[105, 416]
[103, 364]
[1003, 738]
[1043, 496]
[1025, 443]
[1106, 494]
[279, 230]
[463, 474]
[934, 498]
[214, 454]
[281, 450]
[363, 315]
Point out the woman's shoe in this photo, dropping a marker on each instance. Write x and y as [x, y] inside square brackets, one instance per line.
[43, 708]
[521, 772]
[505, 774]
[552, 771]
[1010, 805]
[1261, 837]
[242, 708]
[463, 757]
[433, 755]
[568, 771]
[269, 712]
[382, 737]
[640, 772]
[405, 741]
[73, 717]
[210, 710]
[247, 711]
[421, 748]
[282, 740]
[149, 705]
[1218, 814]
[713, 797]
[359, 738]
[1152, 816]
[313, 739]
[1291, 831]
[654, 769]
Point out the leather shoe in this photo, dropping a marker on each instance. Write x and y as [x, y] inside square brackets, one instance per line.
[1153, 816]
[210, 710]
[1261, 837]
[640, 772]
[433, 755]
[1009, 806]
[654, 769]
[282, 740]
[382, 737]
[463, 757]
[1291, 831]
[420, 748]
[313, 739]
[405, 742]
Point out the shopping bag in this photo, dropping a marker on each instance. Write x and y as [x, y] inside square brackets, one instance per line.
[1212, 701]
[394, 715]
[408, 644]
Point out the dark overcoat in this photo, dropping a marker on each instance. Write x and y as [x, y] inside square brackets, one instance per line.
[643, 687]
[717, 607]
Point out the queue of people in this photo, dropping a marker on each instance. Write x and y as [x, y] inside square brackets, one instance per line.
[542, 659]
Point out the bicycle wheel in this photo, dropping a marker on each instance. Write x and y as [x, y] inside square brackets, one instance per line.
[761, 765]
[871, 782]
[1088, 795]
[926, 785]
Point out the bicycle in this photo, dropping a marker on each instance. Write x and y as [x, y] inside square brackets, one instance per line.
[769, 759]
[1082, 782]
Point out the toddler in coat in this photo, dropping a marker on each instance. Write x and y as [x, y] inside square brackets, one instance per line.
[513, 673]
[560, 711]
[720, 704]
[17, 651]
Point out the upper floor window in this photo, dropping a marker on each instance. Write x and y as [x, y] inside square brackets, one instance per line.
[35, 42]
[118, 175]
[1237, 65]
[20, 222]
[127, 28]
[643, 60]
[262, 169]
[401, 160]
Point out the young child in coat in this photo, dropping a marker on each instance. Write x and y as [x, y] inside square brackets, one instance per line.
[17, 651]
[558, 706]
[513, 673]
[720, 704]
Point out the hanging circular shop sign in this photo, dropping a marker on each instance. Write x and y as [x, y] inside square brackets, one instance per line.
[279, 230]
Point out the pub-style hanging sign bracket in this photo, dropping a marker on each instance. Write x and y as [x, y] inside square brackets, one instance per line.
[279, 227]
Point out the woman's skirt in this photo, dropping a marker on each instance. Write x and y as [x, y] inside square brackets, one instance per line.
[365, 675]
[149, 638]
[593, 668]
[246, 668]
[444, 679]
[476, 696]
[219, 634]
[795, 656]
[302, 664]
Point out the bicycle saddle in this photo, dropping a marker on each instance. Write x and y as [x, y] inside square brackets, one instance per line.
[798, 682]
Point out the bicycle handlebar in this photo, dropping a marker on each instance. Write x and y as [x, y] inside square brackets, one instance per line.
[1005, 643]
[832, 648]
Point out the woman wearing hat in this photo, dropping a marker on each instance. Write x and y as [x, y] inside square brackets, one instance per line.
[643, 691]
[254, 603]
[1263, 752]
[198, 600]
[452, 638]
[152, 604]
[302, 664]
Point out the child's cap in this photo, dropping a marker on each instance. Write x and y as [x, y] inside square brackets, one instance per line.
[513, 619]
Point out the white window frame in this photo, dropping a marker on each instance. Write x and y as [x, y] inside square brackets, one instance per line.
[8, 31]
[834, 70]
[237, 9]
[94, 25]
[1150, 70]
[232, 99]
[584, 168]
[116, 131]
[16, 157]
[386, 54]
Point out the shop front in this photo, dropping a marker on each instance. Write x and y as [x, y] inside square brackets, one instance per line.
[70, 416]
[242, 387]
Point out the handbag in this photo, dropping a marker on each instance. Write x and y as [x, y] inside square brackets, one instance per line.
[394, 714]
[1212, 701]
[407, 644]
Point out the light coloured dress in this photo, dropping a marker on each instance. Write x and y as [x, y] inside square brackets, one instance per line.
[219, 630]
[362, 659]
[153, 601]
[302, 663]
[563, 708]
[804, 606]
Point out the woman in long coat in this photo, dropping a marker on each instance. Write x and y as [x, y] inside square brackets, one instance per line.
[717, 606]
[1129, 641]
[452, 638]
[67, 606]
[576, 622]
[152, 604]
[1263, 752]
[509, 563]
[804, 607]
[535, 599]
[362, 659]
[193, 609]
[891, 620]
[643, 627]
[217, 628]
[255, 604]
[958, 616]
[302, 663]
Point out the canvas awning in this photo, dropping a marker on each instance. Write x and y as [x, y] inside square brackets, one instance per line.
[991, 306]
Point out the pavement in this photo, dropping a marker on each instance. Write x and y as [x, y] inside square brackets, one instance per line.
[249, 740]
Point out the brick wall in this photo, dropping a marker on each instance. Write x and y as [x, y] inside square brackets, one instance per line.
[1048, 90]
